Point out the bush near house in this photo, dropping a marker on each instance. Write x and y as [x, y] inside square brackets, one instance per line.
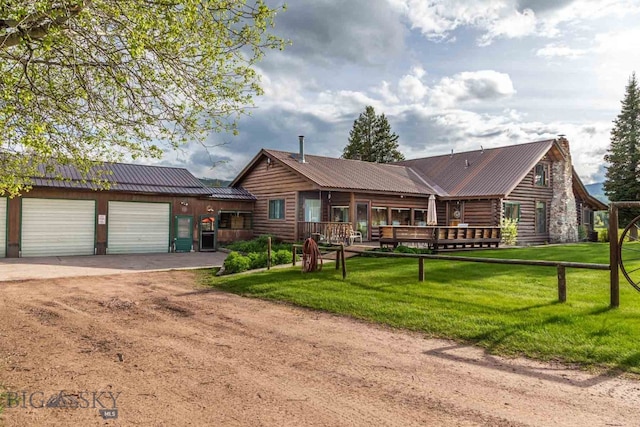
[509, 231]
[252, 254]
[259, 244]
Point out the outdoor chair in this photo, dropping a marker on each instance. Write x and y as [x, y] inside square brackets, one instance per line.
[355, 235]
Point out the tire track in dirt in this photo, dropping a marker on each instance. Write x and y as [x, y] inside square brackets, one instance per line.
[185, 356]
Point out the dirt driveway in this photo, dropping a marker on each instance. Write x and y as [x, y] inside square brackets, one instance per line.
[164, 353]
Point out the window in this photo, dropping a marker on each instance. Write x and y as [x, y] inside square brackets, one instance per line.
[276, 209]
[340, 213]
[511, 210]
[378, 216]
[420, 217]
[400, 216]
[312, 210]
[587, 214]
[541, 175]
[232, 220]
[541, 217]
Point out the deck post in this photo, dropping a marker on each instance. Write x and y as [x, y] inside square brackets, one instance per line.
[293, 261]
[562, 284]
[614, 275]
[421, 269]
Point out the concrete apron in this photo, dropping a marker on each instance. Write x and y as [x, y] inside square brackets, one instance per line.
[100, 265]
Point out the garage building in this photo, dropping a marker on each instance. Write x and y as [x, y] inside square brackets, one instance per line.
[146, 209]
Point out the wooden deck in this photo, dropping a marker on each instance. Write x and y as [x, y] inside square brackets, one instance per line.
[441, 238]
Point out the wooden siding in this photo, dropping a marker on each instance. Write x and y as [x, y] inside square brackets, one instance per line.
[584, 213]
[527, 194]
[270, 182]
[481, 212]
[195, 207]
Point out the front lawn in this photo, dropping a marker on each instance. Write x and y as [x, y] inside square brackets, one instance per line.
[509, 310]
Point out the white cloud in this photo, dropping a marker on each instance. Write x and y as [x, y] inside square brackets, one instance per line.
[617, 59]
[411, 86]
[513, 25]
[553, 50]
[437, 19]
[386, 92]
[471, 86]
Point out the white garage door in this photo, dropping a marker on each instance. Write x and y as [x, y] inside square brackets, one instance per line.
[3, 227]
[136, 227]
[58, 227]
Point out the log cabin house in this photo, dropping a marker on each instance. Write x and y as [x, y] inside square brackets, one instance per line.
[298, 194]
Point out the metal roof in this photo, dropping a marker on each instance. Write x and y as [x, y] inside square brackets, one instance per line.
[132, 178]
[342, 174]
[489, 172]
[231, 193]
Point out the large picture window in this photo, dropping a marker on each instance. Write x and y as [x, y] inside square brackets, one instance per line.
[420, 217]
[340, 213]
[512, 210]
[276, 209]
[541, 217]
[378, 216]
[401, 216]
[541, 175]
[312, 210]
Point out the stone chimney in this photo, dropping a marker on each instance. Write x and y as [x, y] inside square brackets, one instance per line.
[301, 153]
[563, 224]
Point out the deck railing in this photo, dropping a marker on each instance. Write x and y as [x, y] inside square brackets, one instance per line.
[334, 232]
[441, 238]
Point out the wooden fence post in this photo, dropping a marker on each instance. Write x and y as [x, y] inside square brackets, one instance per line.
[344, 265]
[337, 260]
[293, 261]
[269, 253]
[562, 284]
[614, 276]
[421, 269]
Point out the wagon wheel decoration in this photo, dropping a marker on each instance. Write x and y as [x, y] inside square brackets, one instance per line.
[629, 253]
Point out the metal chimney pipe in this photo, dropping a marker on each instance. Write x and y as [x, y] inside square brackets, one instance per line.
[301, 154]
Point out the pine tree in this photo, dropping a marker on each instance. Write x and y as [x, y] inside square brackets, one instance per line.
[371, 139]
[622, 177]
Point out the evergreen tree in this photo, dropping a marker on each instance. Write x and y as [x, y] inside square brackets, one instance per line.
[371, 139]
[622, 178]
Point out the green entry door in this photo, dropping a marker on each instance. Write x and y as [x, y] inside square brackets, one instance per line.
[184, 233]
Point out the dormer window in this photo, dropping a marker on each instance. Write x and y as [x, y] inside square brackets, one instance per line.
[541, 175]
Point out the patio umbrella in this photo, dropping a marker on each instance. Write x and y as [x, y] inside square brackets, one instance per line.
[432, 216]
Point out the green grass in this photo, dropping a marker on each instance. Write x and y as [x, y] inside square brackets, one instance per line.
[509, 310]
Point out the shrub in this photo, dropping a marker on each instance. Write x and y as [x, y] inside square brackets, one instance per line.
[509, 231]
[236, 263]
[259, 244]
[257, 260]
[281, 256]
[603, 235]
[407, 250]
[582, 233]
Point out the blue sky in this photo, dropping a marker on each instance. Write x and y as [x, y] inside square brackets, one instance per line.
[448, 74]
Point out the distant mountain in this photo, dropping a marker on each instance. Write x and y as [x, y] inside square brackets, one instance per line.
[212, 182]
[597, 191]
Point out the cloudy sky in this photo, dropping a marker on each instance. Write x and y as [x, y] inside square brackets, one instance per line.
[449, 74]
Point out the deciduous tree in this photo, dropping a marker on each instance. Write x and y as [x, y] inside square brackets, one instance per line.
[84, 80]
